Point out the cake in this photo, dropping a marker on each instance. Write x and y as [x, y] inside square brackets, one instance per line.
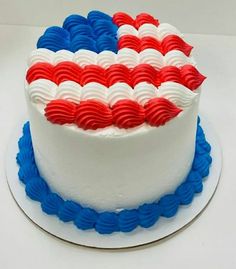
[113, 140]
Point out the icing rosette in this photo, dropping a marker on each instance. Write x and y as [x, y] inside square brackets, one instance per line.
[160, 110]
[60, 111]
[93, 115]
[128, 114]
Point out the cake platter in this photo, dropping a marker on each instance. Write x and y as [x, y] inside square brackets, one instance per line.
[140, 236]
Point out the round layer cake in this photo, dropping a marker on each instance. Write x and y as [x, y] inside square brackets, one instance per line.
[113, 106]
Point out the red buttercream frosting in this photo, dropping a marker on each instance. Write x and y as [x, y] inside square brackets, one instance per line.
[118, 73]
[40, 71]
[190, 77]
[121, 18]
[127, 114]
[60, 111]
[92, 115]
[187, 75]
[93, 73]
[169, 43]
[66, 71]
[145, 73]
[159, 111]
[143, 18]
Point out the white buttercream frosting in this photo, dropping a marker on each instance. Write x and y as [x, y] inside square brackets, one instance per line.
[42, 91]
[159, 32]
[85, 57]
[152, 57]
[127, 29]
[63, 55]
[119, 91]
[94, 90]
[41, 55]
[128, 57]
[177, 93]
[69, 90]
[144, 91]
[105, 59]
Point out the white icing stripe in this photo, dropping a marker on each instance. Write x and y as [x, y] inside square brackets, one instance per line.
[159, 32]
[42, 91]
[178, 94]
[125, 56]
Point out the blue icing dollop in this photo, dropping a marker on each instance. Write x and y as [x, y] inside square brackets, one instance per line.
[169, 205]
[195, 179]
[82, 30]
[86, 219]
[83, 42]
[97, 32]
[52, 203]
[74, 20]
[108, 222]
[128, 220]
[59, 31]
[149, 214]
[53, 42]
[106, 42]
[69, 211]
[37, 189]
[96, 15]
[185, 192]
[27, 171]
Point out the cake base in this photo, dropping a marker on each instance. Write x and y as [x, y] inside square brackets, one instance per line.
[162, 229]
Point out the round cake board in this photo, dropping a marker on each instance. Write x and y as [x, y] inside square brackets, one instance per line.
[140, 236]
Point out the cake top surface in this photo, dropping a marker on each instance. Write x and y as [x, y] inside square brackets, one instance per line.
[103, 71]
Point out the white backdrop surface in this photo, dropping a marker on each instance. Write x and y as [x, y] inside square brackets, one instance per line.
[210, 242]
[190, 16]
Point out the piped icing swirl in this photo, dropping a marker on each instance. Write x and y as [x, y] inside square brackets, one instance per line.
[147, 29]
[104, 59]
[93, 114]
[42, 91]
[177, 94]
[187, 75]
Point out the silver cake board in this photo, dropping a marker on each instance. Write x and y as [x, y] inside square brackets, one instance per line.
[140, 236]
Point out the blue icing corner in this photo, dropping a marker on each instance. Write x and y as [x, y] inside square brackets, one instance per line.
[126, 220]
[97, 32]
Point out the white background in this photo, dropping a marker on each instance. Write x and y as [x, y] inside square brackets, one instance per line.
[210, 242]
[191, 16]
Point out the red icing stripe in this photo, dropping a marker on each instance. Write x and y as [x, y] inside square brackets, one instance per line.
[187, 75]
[160, 110]
[121, 18]
[41, 70]
[169, 43]
[128, 114]
[92, 114]
[60, 111]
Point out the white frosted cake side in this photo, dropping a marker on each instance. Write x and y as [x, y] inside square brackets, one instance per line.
[111, 169]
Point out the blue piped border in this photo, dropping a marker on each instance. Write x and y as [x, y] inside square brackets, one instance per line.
[106, 222]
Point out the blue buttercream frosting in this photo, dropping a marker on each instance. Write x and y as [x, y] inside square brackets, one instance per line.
[97, 32]
[126, 220]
